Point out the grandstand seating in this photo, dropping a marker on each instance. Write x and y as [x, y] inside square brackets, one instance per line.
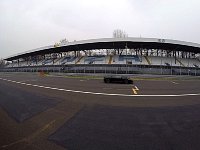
[80, 60]
[129, 59]
[66, 60]
[40, 63]
[47, 62]
[55, 61]
[71, 60]
[166, 61]
[190, 62]
[115, 59]
[33, 63]
[94, 60]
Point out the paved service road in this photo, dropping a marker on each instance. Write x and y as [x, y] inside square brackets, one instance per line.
[78, 113]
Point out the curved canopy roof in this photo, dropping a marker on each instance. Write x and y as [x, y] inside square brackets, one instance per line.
[112, 43]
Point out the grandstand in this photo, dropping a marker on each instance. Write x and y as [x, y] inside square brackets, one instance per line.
[112, 55]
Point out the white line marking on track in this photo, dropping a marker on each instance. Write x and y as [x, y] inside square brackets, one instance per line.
[95, 93]
[174, 82]
[28, 80]
[82, 80]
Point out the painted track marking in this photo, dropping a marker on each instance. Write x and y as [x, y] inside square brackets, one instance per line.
[135, 89]
[31, 137]
[94, 93]
[174, 82]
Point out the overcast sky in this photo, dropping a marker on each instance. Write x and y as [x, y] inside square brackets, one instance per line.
[29, 24]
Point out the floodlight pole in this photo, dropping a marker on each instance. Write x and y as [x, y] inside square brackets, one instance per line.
[126, 47]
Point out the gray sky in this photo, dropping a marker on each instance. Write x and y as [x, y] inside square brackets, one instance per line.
[29, 24]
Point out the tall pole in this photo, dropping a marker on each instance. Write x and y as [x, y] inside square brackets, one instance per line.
[126, 57]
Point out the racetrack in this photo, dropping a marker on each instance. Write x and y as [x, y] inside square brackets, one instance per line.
[53, 112]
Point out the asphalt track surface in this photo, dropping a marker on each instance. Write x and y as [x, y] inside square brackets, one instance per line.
[50, 112]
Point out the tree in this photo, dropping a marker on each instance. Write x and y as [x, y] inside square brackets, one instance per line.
[64, 41]
[118, 33]
[2, 63]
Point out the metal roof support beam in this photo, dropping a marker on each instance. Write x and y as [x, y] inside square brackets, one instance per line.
[112, 43]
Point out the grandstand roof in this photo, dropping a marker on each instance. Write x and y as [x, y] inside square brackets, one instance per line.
[112, 43]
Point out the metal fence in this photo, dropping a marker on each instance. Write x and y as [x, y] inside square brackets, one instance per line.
[109, 69]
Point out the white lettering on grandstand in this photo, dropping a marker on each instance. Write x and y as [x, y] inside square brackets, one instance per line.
[95, 93]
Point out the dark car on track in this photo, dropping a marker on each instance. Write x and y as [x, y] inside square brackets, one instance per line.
[117, 79]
